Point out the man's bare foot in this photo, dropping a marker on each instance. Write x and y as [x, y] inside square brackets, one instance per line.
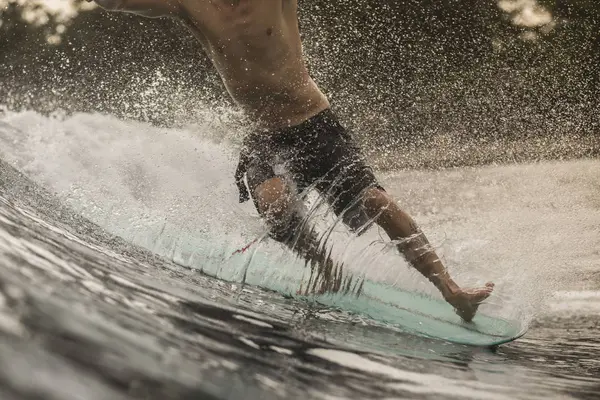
[466, 302]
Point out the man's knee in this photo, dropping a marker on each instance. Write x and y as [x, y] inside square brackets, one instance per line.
[375, 200]
[275, 203]
[273, 198]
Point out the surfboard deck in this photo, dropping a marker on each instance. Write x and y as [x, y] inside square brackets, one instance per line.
[422, 315]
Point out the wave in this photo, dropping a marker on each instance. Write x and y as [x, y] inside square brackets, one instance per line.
[171, 191]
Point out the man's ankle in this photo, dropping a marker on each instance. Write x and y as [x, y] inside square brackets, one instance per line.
[449, 289]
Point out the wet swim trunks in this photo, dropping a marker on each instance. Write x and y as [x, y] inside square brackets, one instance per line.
[318, 152]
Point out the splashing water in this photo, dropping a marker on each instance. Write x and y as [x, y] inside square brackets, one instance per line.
[463, 89]
[171, 191]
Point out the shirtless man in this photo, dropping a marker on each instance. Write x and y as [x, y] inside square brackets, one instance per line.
[255, 46]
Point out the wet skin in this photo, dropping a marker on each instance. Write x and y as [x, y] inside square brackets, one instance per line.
[256, 48]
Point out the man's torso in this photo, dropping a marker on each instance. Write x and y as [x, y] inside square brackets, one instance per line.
[255, 46]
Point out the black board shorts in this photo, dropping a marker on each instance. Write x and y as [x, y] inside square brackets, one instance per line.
[319, 153]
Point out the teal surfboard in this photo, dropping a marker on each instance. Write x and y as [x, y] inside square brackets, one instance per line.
[419, 314]
[404, 311]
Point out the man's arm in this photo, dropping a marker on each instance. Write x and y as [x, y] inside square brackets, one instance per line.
[147, 8]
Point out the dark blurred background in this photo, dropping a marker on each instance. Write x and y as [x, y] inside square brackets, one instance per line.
[451, 82]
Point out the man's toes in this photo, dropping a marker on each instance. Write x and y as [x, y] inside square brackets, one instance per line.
[481, 295]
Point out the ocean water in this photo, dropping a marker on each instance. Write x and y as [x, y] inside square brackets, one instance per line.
[121, 275]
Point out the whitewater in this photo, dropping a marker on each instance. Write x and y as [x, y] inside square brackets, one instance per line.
[130, 270]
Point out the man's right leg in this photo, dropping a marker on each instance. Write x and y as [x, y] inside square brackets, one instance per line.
[277, 204]
[418, 252]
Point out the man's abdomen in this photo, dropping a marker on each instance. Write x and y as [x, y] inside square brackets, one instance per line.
[275, 97]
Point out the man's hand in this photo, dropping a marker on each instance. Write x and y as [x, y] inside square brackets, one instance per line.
[112, 5]
[147, 8]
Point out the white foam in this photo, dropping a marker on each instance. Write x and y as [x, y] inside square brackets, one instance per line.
[586, 302]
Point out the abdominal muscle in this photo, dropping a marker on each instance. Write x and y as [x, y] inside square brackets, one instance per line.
[279, 99]
[262, 67]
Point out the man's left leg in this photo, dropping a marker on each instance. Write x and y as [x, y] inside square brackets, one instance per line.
[412, 242]
[275, 202]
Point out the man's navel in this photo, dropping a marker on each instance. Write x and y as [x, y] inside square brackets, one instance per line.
[269, 31]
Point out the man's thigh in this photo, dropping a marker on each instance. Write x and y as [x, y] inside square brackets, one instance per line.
[345, 177]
